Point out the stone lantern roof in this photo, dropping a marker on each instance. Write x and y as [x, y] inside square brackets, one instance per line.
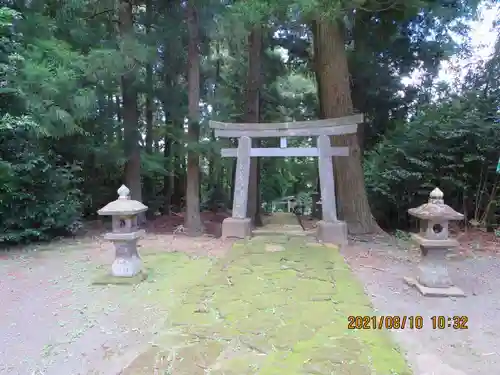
[123, 205]
[435, 208]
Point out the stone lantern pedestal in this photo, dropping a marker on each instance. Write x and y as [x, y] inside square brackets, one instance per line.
[433, 278]
[125, 233]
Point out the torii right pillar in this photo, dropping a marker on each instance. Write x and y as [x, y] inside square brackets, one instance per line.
[330, 229]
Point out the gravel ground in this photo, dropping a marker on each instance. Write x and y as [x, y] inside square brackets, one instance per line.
[475, 351]
[54, 322]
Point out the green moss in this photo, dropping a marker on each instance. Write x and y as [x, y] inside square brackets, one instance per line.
[146, 363]
[281, 218]
[258, 312]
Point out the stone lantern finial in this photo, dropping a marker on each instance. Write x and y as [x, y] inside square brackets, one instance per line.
[436, 196]
[123, 192]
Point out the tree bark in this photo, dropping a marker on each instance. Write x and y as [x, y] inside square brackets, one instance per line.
[169, 155]
[170, 112]
[110, 118]
[253, 115]
[168, 180]
[118, 108]
[192, 220]
[130, 112]
[149, 181]
[332, 74]
[118, 111]
[232, 182]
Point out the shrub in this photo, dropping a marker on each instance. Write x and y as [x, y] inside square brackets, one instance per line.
[39, 198]
[451, 144]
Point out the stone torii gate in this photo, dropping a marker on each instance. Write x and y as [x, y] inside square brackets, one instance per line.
[330, 229]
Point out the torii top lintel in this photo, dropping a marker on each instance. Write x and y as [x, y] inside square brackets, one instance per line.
[335, 126]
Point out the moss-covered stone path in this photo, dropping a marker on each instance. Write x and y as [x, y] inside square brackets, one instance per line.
[275, 305]
[280, 223]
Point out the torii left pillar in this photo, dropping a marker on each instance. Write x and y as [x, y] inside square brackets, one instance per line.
[239, 225]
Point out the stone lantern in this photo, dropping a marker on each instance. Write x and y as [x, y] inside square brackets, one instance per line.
[125, 233]
[433, 278]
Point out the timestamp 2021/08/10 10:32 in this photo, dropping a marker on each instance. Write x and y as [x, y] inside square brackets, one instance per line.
[456, 322]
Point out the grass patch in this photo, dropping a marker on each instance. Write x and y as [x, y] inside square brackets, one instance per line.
[260, 312]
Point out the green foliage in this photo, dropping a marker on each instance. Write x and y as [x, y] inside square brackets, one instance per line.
[453, 143]
[215, 199]
[9, 59]
[38, 194]
[450, 144]
[50, 84]
[389, 44]
[61, 66]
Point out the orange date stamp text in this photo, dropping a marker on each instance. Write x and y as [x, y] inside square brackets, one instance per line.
[385, 322]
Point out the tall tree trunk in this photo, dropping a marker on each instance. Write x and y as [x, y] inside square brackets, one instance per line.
[110, 118]
[118, 108]
[118, 111]
[168, 154]
[149, 181]
[169, 158]
[253, 115]
[130, 112]
[192, 221]
[171, 115]
[101, 126]
[168, 180]
[232, 183]
[335, 101]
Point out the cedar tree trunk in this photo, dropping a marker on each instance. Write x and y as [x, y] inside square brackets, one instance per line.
[130, 112]
[332, 75]
[253, 115]
[192, 220]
